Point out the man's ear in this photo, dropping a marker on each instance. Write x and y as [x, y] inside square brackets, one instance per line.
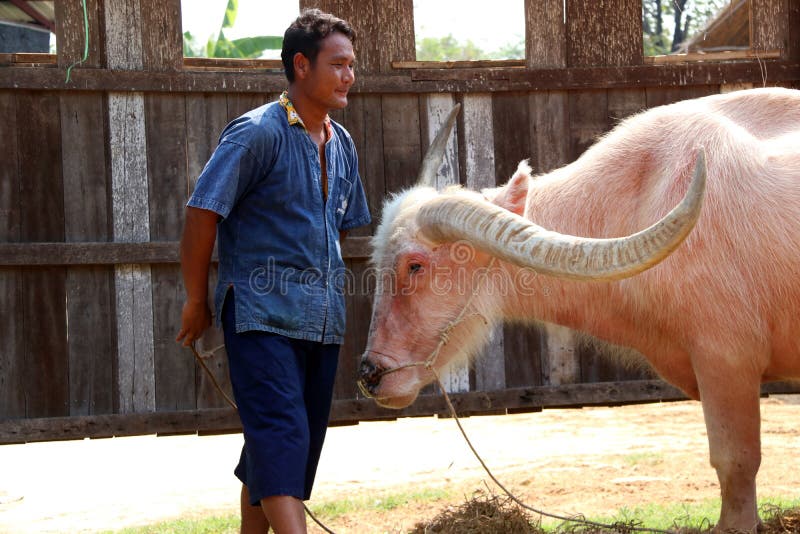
[302, 65]
[514, 194]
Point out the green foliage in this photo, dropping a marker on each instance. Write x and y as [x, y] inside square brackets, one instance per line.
[448, 48]
[221, 46]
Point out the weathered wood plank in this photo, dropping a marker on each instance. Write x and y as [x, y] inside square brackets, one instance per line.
[206, 117]
[545, 33]
[162, 41]
[667, 95]
[43, 289]
[604, 33]
[511, 142]
[549, 130]
[131, 223]
[22, 254]
[375, 47]
[417, 81]
[479, 170]
[165, 120]
[226, 419]
[371, 157]
[402, 153]
[769, 24]
[12, 370]
[455, 377]
[123, 35]
[588, 120]
[71, 34]
[90, 302]
[793, 40]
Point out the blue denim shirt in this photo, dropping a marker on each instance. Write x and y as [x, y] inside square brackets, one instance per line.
[278, 240]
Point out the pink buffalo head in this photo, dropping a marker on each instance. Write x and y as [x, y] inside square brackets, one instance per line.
[449, 264]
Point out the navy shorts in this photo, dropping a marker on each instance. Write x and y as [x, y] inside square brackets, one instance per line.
[283, 388]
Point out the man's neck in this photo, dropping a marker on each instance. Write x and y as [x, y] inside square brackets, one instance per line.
[313, 117]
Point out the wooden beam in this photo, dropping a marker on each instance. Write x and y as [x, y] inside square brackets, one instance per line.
[417, 81]
[729, 55]
[221, 420]
[482, 64]
[93, 253]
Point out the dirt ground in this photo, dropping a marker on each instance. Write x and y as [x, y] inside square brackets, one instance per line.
[590, 461]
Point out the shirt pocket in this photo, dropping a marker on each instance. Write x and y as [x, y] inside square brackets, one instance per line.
[342, 198]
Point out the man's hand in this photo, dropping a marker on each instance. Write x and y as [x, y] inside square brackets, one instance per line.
[195, 319]
[197, 243]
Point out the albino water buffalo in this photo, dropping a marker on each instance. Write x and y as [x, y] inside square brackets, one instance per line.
[716, 317]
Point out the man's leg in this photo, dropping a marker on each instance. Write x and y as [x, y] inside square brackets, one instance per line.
[285, 514]
[253, 519]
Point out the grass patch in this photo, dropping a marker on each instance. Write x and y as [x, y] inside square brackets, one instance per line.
[384, 502]
[670, 516]
[324, 511]
[643, 458]
[200, 525]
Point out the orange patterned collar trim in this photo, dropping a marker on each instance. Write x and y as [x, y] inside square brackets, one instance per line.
[294, 118]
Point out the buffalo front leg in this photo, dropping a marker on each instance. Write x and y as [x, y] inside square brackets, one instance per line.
[732, 414]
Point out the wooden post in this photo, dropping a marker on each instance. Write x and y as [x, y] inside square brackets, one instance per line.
[456, 377]
[12, 360]
[91, 335]
[479, 168]
[131, 216]
[546, 43]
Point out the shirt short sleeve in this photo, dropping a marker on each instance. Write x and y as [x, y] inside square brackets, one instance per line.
[235, 166]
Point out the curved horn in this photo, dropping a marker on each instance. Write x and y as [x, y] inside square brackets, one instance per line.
[433, 158]
[519, 241]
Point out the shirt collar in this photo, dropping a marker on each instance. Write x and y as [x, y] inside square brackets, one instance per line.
[294, 118]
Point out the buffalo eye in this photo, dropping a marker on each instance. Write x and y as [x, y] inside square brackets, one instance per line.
[414, 267]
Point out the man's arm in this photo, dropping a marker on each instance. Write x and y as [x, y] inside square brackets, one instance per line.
[197, 244]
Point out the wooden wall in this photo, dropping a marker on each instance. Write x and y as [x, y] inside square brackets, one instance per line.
[94, 174]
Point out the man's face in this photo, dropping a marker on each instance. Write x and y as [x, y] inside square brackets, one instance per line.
[331, 75]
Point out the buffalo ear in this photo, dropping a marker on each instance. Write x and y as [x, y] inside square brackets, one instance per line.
[514, 194]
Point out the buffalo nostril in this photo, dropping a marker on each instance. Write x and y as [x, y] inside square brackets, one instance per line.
[370, 373]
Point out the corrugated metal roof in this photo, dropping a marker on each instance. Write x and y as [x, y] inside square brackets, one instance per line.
[39, 12]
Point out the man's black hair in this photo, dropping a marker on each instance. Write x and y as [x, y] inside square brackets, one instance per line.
[306, 33]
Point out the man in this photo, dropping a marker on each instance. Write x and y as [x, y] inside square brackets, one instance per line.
[281, 188]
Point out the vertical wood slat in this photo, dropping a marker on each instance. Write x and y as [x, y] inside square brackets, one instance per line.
[512, 143]
[401, 140]
[479, 169]
[71, 33]
[90, 290]
[43, 289]
[128, 155]
[769, 24]
[545, 34]
[162, 38]
[12, 361]
[174, 367]
[135, 370]
[604, 33]
[206, 117]
[455, 378]
[370, 156]
[375, 47]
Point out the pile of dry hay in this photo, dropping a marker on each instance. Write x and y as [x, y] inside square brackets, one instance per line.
[490, 514]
